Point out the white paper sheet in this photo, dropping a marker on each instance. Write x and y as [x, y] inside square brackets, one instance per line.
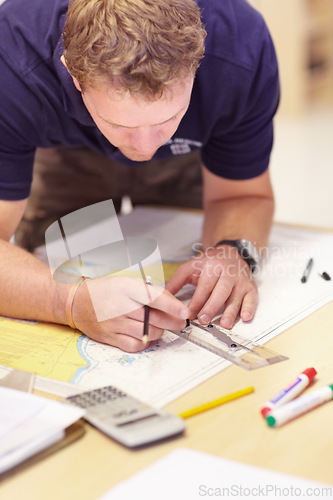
[29, 423]
[186, 474]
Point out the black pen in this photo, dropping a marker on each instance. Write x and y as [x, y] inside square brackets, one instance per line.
[325, 276]
[307, 271]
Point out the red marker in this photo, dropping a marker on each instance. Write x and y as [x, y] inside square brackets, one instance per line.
[293, 390]
[299, 406]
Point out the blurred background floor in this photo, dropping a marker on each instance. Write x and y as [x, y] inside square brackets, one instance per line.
[302, 160]
[302, 168]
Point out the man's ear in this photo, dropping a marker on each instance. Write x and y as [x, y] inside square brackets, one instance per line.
[76, 83]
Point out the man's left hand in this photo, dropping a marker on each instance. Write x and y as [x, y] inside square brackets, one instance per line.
[223, 281]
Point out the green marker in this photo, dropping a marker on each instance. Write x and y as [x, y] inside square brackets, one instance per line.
[298, 406]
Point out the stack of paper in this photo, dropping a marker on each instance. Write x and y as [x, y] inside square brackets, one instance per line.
[30, 424]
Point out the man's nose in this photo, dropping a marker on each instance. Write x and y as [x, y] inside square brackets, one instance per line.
[146, 140]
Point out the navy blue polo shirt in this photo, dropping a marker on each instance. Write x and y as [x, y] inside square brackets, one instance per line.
[234, 98]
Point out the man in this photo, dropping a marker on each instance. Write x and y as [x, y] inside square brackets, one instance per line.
[128, 80]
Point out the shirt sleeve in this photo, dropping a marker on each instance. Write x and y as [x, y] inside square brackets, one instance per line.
[18, 132]
[243, 151]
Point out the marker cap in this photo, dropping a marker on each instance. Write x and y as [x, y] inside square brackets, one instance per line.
[265, 410]
[310, 373]
[270, 420]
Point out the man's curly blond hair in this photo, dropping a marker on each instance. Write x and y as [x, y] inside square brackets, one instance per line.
[137, 46]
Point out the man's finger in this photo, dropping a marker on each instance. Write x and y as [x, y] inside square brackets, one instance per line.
[202, 295]
[160, 319]
[167, 303]
[218, 298]
[249, 305]
[179, 279]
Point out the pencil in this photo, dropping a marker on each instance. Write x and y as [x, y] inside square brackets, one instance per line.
[145, 325]
[146, 318]
[217, 402]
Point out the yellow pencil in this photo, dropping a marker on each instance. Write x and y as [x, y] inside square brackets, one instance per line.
[217, 402]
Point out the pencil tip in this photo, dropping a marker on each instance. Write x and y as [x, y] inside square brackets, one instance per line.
[145, 339]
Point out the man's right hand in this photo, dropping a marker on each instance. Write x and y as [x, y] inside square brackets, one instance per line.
[110, 310]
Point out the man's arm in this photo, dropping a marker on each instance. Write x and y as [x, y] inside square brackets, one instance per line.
[11, 213]
[28, 291]
[233, 209]
[237, 209]
[26, 286]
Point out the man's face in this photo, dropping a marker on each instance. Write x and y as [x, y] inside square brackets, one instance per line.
[137, 127]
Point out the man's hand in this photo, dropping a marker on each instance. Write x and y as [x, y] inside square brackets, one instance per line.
[223, 280]
[233, 209]
[110, 310]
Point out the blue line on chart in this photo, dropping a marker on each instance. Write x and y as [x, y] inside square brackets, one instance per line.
[82, 344]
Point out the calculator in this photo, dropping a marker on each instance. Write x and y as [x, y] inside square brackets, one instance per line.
[124, 418]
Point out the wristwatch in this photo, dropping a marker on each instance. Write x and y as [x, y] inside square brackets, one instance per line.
[246, 250]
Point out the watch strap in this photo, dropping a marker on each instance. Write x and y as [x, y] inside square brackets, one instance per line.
[242, 250]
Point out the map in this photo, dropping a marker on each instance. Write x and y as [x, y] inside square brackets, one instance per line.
[156, 375]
